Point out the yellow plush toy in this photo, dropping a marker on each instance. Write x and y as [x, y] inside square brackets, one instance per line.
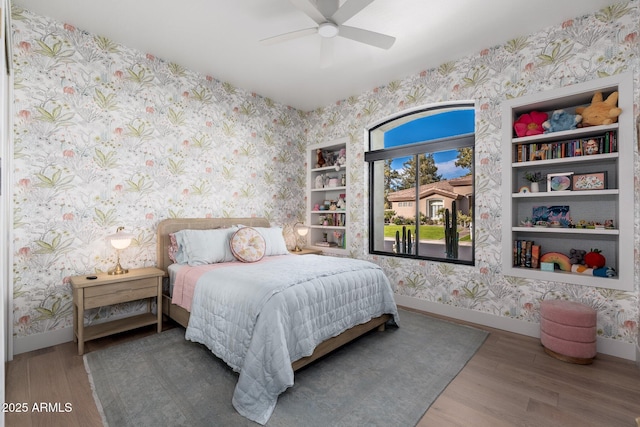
[600, 112]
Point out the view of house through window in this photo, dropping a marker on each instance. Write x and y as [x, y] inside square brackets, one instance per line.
[421, 184]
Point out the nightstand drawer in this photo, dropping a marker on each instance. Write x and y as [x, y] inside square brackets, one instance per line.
[114, 293]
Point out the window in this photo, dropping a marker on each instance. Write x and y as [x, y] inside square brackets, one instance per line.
[436, 208]
[421, 193]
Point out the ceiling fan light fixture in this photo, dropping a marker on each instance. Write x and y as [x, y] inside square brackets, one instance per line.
[328, 30]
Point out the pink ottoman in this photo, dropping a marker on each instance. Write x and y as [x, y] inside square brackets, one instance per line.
[568, 331]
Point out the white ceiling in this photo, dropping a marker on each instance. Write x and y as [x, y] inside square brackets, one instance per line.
[220, 38]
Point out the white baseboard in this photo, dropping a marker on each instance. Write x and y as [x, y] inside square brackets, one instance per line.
[605, 346]
[44, 340]
[51, 338]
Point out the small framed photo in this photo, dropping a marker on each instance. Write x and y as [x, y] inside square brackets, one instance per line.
[559, 181]
[589, 181]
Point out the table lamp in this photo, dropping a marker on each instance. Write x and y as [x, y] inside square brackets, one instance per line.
[120, 240]
[302, 230]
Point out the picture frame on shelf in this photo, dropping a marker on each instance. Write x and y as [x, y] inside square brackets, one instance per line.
[589, 181]
[555, 216]
[559, 181]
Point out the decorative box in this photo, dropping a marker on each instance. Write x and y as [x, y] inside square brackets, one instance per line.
[547, 266]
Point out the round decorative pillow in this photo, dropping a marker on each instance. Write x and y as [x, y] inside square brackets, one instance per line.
[248, 245]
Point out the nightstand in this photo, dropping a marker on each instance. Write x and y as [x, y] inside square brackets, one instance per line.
[306, 251]
[108, 289]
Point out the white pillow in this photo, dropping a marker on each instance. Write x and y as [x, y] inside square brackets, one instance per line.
[274, 240]
[203, 247]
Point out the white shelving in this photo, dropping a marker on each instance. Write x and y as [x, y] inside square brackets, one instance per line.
[327, 224]
[615, 202]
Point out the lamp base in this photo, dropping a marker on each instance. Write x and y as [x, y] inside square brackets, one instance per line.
[118, 270]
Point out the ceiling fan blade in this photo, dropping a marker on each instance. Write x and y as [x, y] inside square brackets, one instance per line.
[327, 7]
[289, 36]
[349, 9]
[372, 38]
[326, 53]
[310, 10]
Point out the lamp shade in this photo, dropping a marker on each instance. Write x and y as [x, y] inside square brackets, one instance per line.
[120, 239]
[302, 230]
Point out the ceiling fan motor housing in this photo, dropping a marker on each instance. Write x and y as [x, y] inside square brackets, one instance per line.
[328, 30]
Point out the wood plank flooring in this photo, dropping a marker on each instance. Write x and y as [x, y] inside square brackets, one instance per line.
[510, 381]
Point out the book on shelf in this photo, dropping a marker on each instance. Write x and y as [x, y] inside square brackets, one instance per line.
[526, 254]
[604, 144]
[535, 256]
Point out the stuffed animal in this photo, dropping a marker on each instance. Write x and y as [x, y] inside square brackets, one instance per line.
[561, 120]
[342, 157]
[341, 160]
[600, 112]
[320, 162]
[576, 256]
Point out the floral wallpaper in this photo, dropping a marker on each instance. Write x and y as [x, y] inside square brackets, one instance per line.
[578, 50]
[108, 136]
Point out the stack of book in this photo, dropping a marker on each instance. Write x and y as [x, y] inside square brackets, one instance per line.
[607, 143]
[526, 254]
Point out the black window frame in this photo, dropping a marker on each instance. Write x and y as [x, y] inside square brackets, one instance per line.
[416, 149]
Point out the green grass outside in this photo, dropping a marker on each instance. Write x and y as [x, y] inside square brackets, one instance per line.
[427, 232]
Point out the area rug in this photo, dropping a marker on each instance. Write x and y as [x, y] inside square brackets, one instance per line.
[385, 378]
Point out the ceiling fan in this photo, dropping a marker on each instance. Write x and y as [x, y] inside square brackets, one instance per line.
[330, 16]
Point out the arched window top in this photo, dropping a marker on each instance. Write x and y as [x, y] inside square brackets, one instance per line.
[423, 124]
[435, 126]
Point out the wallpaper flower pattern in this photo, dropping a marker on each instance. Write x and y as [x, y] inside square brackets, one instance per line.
[581, 49]
[107, 136]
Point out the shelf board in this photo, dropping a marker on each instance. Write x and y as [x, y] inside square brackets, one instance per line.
[329, 188]
[566, 160]
[565, 276]
[328, 168]
[566, 134]
[562, 230]
[100, 330]
[565, 194]
[329, 227]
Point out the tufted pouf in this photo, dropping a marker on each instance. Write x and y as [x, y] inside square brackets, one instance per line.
[568, 330]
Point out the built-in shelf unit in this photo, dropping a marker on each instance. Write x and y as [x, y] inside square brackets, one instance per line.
[327, 197]
[614, 202]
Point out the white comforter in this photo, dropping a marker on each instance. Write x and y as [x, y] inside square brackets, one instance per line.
[261, 317]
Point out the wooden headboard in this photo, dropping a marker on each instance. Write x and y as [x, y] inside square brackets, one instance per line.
[176, 224]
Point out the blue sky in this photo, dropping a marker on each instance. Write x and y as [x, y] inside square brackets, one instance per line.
[436, 126]
[445, 160]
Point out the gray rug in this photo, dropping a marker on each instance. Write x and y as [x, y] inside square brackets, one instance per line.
[385, 378]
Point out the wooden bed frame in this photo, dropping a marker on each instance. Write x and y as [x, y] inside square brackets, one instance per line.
[181, 316]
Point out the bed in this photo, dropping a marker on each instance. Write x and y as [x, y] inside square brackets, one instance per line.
[305, 306]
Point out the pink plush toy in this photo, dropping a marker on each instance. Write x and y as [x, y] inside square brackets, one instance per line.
[530, 124]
